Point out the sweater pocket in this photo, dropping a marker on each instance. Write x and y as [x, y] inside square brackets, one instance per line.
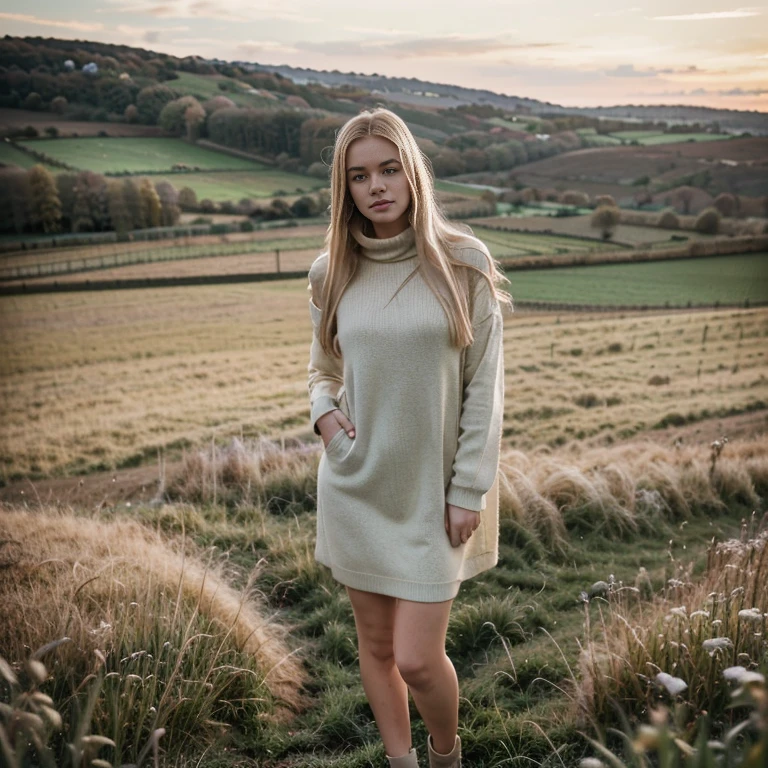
[339, 447]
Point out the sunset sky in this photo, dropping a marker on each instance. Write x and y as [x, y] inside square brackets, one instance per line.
[707, 52]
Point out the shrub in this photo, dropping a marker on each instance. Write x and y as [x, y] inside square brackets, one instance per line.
[708, 222]
[605, 218]
[668, 220]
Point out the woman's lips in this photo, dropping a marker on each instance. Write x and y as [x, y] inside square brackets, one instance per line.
[381, 205]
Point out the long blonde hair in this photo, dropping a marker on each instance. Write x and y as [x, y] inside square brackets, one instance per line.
[446, 276]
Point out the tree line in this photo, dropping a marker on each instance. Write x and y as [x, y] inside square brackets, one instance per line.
[36, 201]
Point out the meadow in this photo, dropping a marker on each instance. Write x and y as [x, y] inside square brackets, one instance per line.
[229, 361]
[652, 138]
[611, 485]
[128, 155]
[10, 155]
[258, 184]
[738, 279]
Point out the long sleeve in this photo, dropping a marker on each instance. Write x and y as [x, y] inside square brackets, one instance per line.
[325, 371]
[477, 458]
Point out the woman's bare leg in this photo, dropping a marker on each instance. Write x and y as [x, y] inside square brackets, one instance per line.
[387, 693]
[420, 656]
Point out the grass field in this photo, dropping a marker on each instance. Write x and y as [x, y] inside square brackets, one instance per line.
[258, 184]
[465, 190]
[627, 234]
[650, 138]
[510, 244]
[10, 155]
[222, 360]
[112, 379]
[725, 279]
[204, 87]
[136, 155]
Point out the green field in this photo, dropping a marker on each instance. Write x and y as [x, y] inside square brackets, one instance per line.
[458, 188]
[723, 279]
[105, 155]
[204, 87]
[511, 244]
[10, 155]
[235, 186]
[648, 138]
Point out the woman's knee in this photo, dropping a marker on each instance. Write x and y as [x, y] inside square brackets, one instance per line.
[417, 669]
[377, 646]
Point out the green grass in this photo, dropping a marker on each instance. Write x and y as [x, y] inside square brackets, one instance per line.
[204, 87]
[724, 279]
[458, 188]
[511, 244]
[10, 155]
[649, 138]
[113, 155]
[235, 186]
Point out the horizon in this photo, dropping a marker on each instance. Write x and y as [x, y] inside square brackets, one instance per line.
[683, 53]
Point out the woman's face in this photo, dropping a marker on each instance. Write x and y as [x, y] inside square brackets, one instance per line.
[378, 184]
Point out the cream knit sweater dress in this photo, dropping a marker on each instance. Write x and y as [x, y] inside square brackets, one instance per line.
[427, 422]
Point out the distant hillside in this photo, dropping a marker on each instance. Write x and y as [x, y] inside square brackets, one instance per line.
[442, 96]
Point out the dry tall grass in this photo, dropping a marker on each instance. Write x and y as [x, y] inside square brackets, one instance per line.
[106, 379]
[680, 645]
[181, 649]
[545, 495]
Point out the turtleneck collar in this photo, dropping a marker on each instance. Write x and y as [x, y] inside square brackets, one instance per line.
[397, 248]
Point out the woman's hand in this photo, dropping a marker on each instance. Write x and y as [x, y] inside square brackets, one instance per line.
[460, 523]
[330, 423]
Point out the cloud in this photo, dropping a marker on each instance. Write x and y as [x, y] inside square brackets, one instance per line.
[739, 13]
[449, 46]
[708, 92]
[628, 70]
[620, 12]
[80, 26]
[235, 10]
[257, 48]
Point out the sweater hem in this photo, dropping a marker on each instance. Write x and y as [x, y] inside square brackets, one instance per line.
[420, 592]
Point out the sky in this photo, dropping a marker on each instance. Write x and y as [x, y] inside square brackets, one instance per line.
[589, 53]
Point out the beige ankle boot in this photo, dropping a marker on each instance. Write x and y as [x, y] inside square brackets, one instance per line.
[451, 760]
[406, 761]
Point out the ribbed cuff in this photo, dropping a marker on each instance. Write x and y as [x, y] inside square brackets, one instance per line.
[320, 407]
[465, 498]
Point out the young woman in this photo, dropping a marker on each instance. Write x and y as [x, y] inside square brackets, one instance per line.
[406, 383]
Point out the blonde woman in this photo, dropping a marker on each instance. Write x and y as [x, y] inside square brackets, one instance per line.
[406, 383]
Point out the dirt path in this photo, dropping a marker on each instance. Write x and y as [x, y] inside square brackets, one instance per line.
[140, 485]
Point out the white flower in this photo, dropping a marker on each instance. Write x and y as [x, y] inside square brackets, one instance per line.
[750, 614]
[705, 614]
[734, 674]
[679, 611]
[674, 685]
[717, 644]
[591, 762]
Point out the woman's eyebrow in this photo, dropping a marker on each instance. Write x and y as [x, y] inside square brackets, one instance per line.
[362, 167]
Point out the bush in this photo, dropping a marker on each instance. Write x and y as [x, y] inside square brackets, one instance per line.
[668, 220]
[708, 222]
[605, 218]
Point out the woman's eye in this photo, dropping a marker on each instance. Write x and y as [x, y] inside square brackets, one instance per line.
[393, 170]
[358, 177]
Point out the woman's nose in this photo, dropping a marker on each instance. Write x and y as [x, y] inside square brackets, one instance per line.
[377, 183]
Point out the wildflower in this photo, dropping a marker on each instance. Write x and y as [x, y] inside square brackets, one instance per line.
[734, 674]
[750, 614]
[598, 589]
[675, 583]
[715, 644]
[674, 685]
[705, 614]
[591, 762]
[679, 611]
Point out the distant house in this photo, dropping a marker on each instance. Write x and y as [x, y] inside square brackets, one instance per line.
[542, 136]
